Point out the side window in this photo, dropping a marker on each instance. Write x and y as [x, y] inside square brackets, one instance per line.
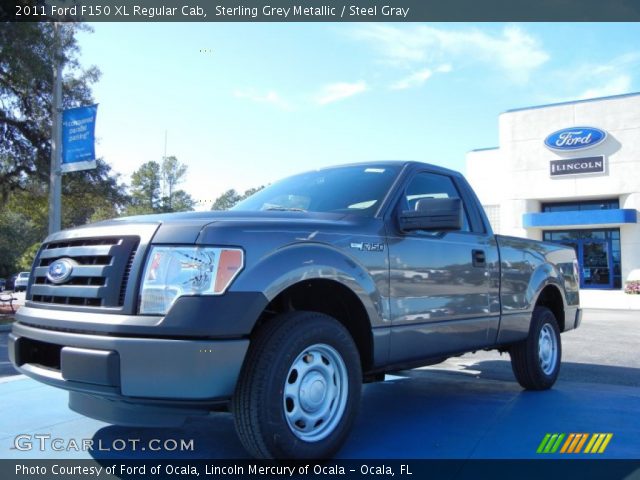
[432, 185]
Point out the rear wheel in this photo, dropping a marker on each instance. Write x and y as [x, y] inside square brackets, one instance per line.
[299, 388]
[536, 360]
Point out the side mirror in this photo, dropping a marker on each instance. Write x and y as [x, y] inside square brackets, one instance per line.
[435, 214]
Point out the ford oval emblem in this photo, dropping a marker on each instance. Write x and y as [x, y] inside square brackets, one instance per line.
[60, 270]
[575, 138]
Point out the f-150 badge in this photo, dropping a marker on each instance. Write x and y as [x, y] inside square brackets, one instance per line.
[368, 247]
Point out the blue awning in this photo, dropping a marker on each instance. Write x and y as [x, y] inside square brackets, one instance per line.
[580, 217]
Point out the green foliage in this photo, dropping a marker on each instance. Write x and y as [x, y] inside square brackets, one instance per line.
[104, 212]
[230, 198]
[172, 174]
[227, 200]
[16, 235]
[26, 259]
[145, 188]
[251, 191]
[154, 188]
[27, 53]
[26, 73]
[88, 192]
[180, 201]
[174, 200]
[26, 66]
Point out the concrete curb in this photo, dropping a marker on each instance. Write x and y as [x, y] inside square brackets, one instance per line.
[609, 299]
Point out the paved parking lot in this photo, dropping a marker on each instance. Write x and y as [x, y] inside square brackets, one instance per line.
[468, 407]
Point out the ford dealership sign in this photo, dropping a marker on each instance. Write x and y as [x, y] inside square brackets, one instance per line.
[575, 138]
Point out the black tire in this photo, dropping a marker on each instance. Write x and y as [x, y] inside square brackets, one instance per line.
[298, 362]
[534, 367]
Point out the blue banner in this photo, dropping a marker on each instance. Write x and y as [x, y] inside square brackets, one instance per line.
[78, 138]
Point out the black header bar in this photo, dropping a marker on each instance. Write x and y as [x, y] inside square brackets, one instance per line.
[321, 10]
[585, 469]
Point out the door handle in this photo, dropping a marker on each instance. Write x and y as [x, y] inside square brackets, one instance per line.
[479, 258]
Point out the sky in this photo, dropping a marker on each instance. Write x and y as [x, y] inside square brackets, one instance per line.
[245, 104]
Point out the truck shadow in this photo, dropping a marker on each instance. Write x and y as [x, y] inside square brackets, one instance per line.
[426, 413]
[569, 372]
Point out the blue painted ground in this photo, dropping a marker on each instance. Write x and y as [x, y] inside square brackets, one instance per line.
[466, 408]
[431, 413]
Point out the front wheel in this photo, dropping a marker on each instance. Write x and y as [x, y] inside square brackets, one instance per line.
[536, 360]
[299, 388]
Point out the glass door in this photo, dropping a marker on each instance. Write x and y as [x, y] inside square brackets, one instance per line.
[595, 258]
[598, 253]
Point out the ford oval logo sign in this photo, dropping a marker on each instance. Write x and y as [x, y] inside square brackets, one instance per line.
[60, 270]
[575, 138]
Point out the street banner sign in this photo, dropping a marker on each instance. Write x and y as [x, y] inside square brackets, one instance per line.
[78, 138]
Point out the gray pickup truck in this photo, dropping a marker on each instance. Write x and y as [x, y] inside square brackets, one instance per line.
[282, 307]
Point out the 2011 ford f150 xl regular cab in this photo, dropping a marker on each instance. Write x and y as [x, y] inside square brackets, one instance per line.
[283, 306]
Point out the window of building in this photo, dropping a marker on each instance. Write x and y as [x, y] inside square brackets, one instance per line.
[607, 204]
[598, 253]
[493, 215]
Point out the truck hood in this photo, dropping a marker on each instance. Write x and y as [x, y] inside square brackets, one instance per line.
[186, 227]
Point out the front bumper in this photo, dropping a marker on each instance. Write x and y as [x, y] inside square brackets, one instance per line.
[130, 380]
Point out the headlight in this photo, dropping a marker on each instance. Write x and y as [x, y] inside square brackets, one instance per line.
[172, 272]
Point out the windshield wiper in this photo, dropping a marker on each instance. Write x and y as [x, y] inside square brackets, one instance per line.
[285, 209]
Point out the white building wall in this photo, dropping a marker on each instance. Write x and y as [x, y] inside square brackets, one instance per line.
[630, 237]
[516, 175]
[522, 135]
[489, 174]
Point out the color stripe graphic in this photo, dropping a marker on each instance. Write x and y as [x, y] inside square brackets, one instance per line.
[574, 442]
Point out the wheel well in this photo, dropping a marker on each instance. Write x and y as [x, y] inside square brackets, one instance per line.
[333, 299]
[551, 298]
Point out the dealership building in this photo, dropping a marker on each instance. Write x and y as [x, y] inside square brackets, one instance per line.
[569, 173]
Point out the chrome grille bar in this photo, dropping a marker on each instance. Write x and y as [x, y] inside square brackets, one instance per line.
[99, 275]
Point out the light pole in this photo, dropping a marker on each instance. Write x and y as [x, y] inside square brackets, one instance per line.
[55, 175]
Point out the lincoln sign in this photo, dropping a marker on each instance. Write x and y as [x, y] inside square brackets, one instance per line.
[576, 166]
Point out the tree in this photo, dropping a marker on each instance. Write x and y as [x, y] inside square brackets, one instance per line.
[172, 174]
[23, 222]
[227, 200]
[26, 78]
[181, 201]
[230, 198]
[26, 73]
[147, 195]
[28, 256]
[145, 188]
[87, 192]
[251, 191]
[16, 235]
[27, 51]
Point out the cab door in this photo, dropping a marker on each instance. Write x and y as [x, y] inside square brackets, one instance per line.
[443, 284]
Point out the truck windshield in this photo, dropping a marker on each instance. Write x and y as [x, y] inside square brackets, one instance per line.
[350, 189]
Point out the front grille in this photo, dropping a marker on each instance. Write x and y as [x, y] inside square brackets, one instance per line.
[99, 277]
[125, 276]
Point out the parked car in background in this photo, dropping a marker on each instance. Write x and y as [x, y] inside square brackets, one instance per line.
[3, 284]
[21, 282]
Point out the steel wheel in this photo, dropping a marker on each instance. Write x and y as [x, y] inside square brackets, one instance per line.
[547, 349]
[315, 392]
[536, 360]
[299, 388]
